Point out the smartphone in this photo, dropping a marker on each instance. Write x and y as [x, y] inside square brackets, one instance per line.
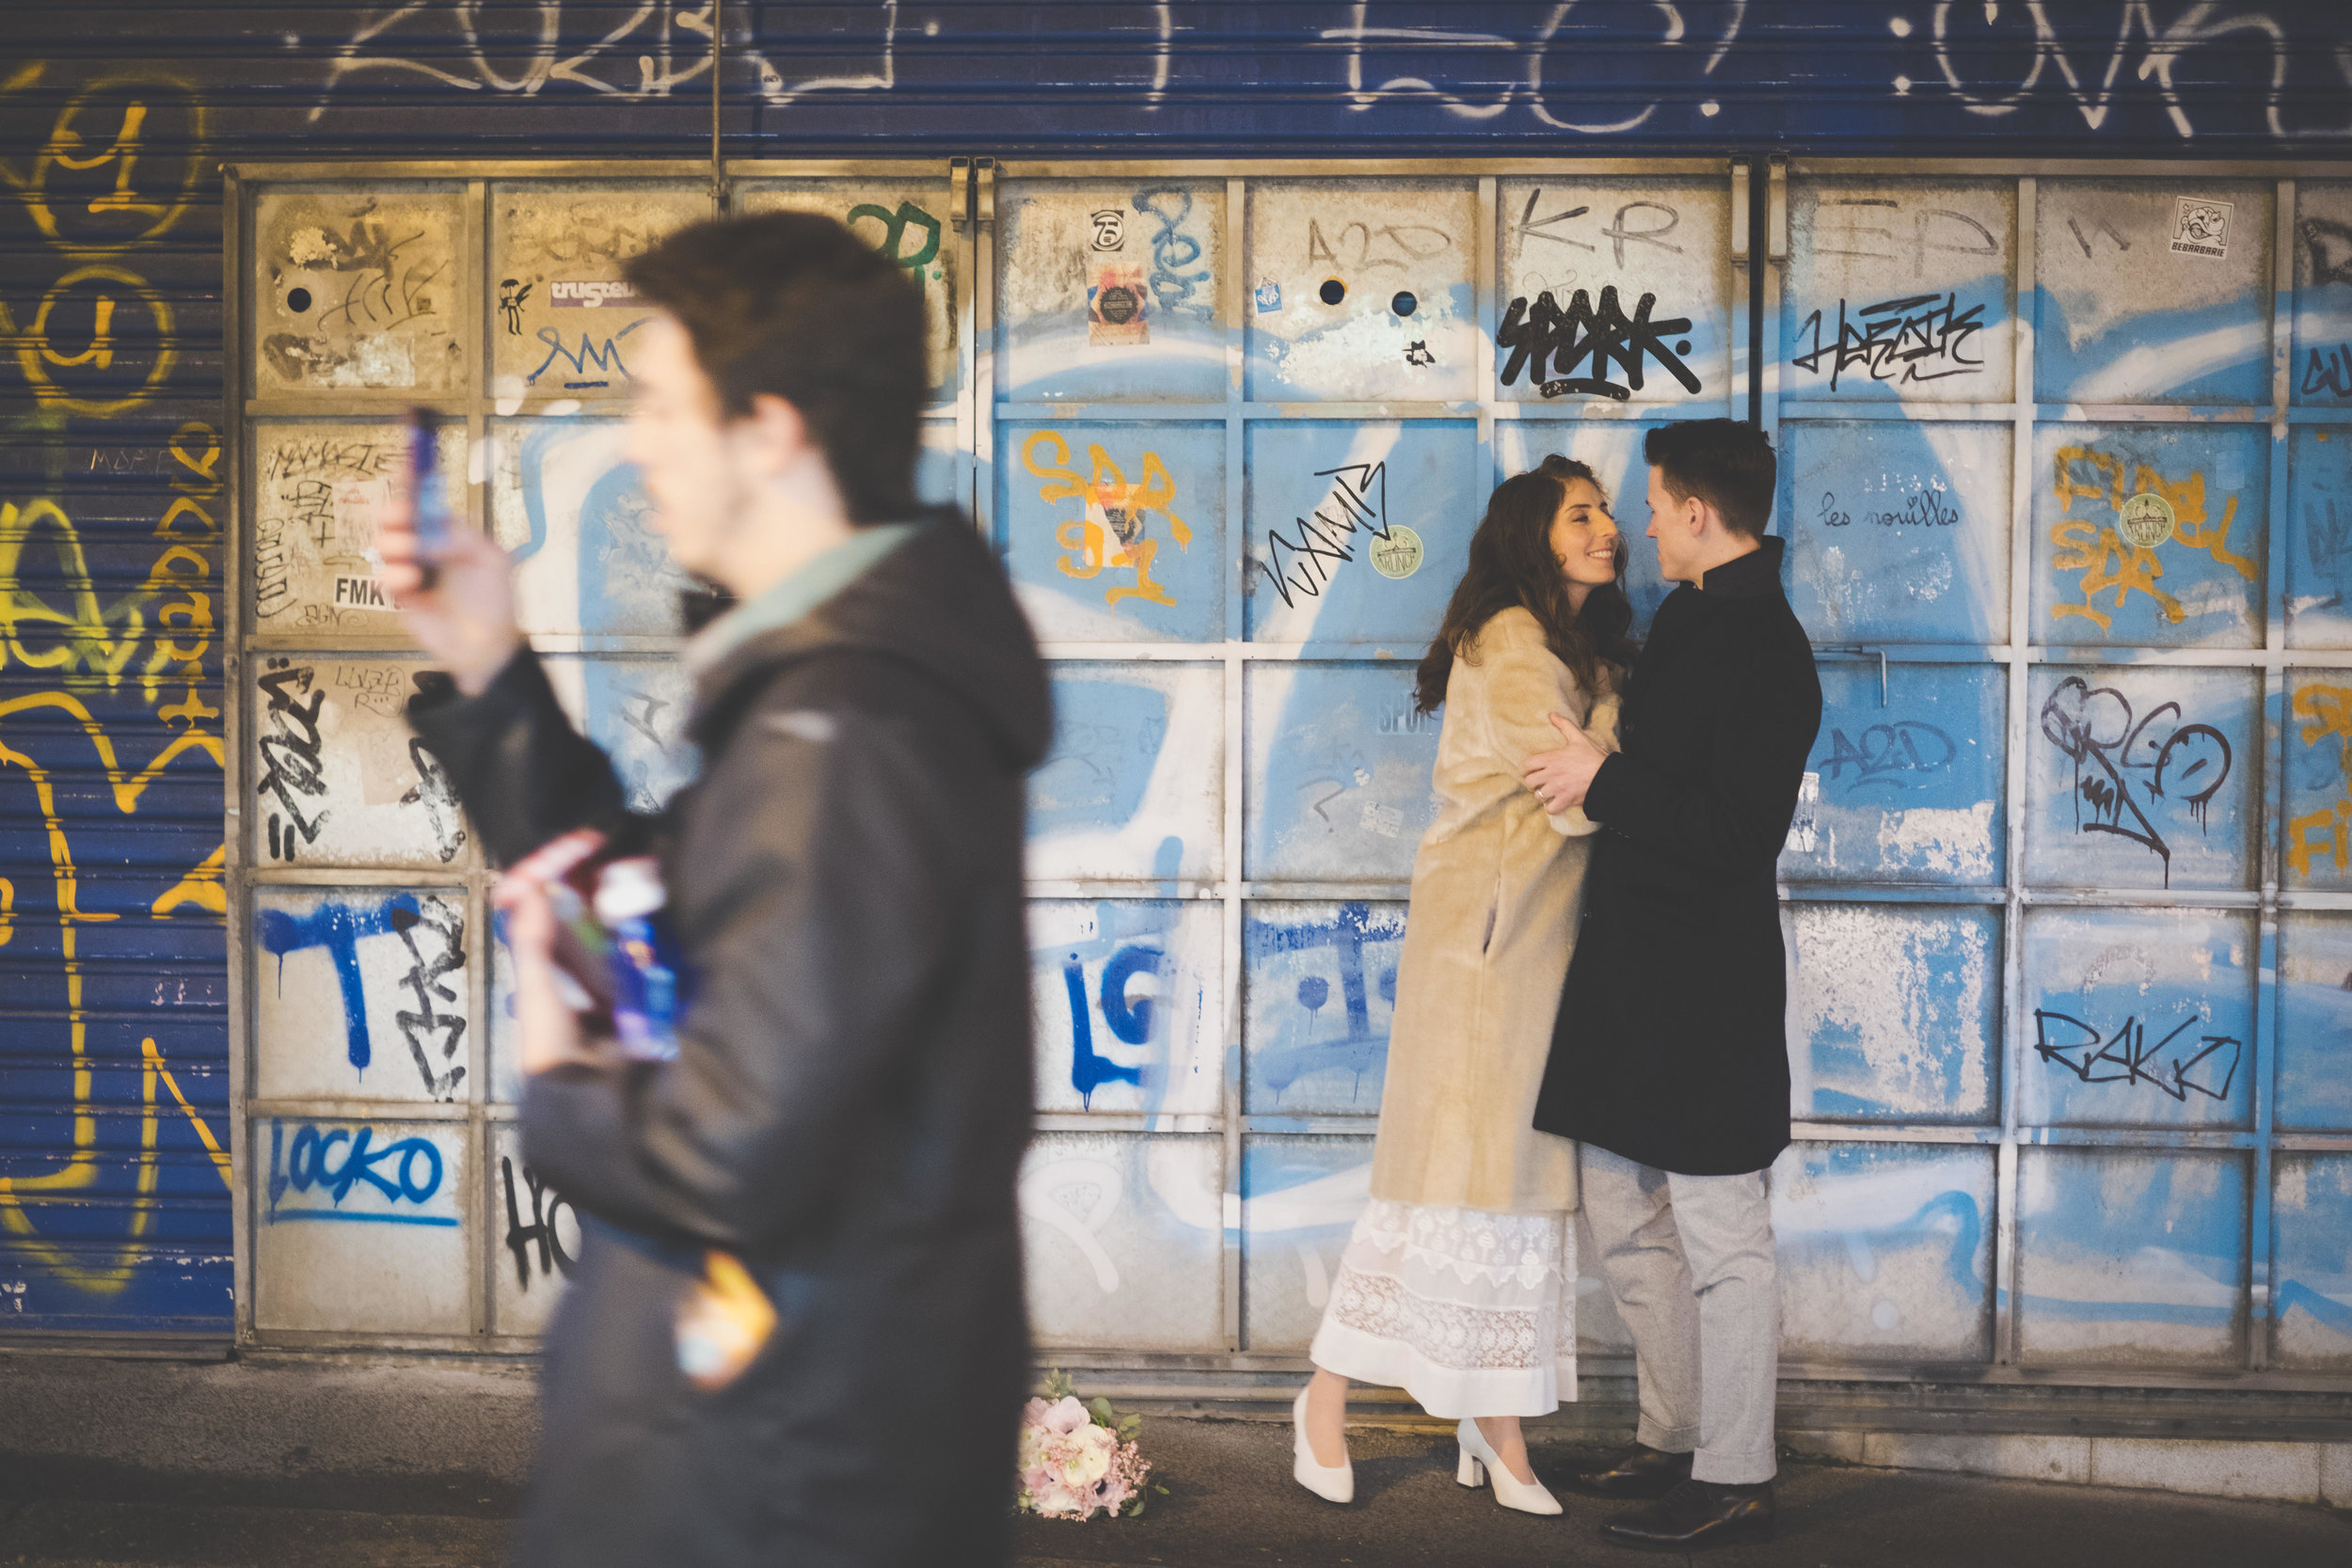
[425, 497]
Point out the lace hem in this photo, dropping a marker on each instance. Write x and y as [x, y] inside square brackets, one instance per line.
[1459, 1289]
[1463, 1338]
[1474, 1247]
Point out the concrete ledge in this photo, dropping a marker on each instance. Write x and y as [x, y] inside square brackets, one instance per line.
[2213, 1468]
[437, 1434]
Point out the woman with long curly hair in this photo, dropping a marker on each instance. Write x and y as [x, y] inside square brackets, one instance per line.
[1458, 1282]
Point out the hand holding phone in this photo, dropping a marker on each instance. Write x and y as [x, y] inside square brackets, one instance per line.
[453, 585]
[428, 505]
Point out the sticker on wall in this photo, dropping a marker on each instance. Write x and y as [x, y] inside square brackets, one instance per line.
[2145, 521]
[2202, 227]
[1269, 298]
[1110, 228]
[361, 593]
[1115, 306]
[592, 293]
[1399, 554]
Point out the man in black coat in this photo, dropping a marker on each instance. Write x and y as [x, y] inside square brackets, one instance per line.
[1668, 1063]
[848, 1104]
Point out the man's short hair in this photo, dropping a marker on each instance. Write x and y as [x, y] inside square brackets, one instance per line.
[1727, 463]
[794, 305]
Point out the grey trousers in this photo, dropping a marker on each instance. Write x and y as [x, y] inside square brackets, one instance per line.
[1689, 1263]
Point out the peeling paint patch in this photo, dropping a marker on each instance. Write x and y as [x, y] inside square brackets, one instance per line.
[1958, 843]
[1890, 1011]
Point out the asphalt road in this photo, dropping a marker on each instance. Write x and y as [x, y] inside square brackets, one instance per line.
[1231, 1504]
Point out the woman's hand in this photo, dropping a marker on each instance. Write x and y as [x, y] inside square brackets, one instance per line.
[466, 619]
[547, 1027]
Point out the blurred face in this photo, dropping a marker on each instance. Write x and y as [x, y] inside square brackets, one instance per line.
[695, 463]
[1584, 536]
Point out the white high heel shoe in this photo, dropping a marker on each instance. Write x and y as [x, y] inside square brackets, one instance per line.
[1481, 1464]
[1332, 1483]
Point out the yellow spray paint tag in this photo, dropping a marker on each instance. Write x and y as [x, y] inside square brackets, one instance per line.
[722, 1322]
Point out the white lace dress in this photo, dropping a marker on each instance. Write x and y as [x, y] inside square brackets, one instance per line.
[1471, 1313]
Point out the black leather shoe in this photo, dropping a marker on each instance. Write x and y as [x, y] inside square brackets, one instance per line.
[1640, 1471]
[1696, 1515]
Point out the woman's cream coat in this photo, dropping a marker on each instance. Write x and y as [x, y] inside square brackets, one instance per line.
[1498, 886]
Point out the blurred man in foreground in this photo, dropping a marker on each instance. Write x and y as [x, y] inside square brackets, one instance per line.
[851, 1096]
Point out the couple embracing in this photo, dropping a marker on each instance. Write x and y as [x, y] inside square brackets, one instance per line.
[1589, 1009]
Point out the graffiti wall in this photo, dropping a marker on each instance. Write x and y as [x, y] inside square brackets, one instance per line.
[114, 1061]
[388, 1197]
[1230, 438]
[2111, 77]
[2067, 486]
[2030, 515]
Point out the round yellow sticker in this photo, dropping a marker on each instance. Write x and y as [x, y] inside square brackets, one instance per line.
[2145, 521]
[1398, 555]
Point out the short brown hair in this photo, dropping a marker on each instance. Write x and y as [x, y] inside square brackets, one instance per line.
[794, 305]
[1727, 463]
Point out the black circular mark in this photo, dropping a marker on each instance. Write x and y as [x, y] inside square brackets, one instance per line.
[1404, 304]
[1333, 290]
[1683, 347]
[298, 300]
[1118, 305]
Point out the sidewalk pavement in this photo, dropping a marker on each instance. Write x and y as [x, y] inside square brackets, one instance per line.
[1231, 1504]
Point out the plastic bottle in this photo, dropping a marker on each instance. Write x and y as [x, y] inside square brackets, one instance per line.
[630, 900]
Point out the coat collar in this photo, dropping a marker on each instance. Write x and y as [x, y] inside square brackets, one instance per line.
[801, 590]
[936, 600]
[1751, 576]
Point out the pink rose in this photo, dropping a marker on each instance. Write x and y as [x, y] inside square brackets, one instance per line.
[1062, 1418]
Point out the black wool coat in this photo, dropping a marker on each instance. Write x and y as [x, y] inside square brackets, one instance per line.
[849, 1105]
[1670, 1047]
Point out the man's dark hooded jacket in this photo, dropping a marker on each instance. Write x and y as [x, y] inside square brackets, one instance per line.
[1671, 1048]
[851, 1100]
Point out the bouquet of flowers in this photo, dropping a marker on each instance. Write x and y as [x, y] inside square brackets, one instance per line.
[1078, 1458]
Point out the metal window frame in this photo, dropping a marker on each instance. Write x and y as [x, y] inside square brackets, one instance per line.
[1750, 178]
